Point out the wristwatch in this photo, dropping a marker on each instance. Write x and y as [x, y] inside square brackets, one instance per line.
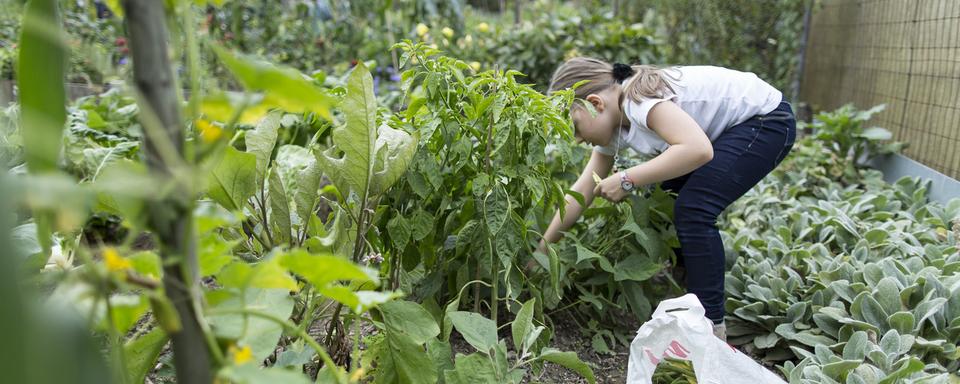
[625, 183]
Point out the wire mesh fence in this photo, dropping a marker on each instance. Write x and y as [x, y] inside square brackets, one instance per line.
[902, 53]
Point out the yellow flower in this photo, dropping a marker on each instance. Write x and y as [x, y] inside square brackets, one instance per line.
[483, 27]
[208, 132]
[475, 65]
[446, 31]
[422, 29]
[240, 355]
[357, 375]
[114, 261]
[468, 39]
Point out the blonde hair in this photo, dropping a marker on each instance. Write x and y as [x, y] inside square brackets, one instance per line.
[648, 81]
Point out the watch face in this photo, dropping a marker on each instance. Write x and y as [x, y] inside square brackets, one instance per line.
[626, 185]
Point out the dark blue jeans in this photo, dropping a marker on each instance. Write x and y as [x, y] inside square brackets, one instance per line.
[742, 155]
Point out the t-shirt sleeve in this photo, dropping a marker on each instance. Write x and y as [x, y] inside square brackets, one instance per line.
[639, 112]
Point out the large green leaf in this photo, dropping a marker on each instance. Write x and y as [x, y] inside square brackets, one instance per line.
[636, 268]
[279, 209]
[570, 361]
[477, 330]
[523, 323]
[260, 334]
[372, 159]
[411, 319]
[356, 138]
[284, 88]
[496, 205]
[322, 270]
[233, 179]
[140, 354]
[475, 368]
[411, 363]
[264, 274]
[394, 151]
[261, 140]
[299, 170]
[40, 77]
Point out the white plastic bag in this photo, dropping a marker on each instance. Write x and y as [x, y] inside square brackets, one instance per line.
[679, 329]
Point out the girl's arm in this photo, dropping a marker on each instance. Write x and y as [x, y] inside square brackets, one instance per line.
[689, 146]
[599, 163]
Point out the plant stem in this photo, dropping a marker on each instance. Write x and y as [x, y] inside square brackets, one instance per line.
[171, 219]
[495, 275]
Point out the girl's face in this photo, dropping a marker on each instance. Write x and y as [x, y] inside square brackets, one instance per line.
[598, 129]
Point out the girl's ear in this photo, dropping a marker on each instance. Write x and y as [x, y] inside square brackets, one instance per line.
[596, 100]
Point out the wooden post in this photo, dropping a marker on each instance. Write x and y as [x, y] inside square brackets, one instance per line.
[170, 219]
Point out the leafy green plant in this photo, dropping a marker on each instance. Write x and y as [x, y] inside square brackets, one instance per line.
[858, 282]
[852, 144]
[478, 179]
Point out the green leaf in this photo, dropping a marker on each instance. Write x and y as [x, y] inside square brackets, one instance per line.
[909, 366]
[264, 274]
[766, 341]
[888, 295]
[837, 369]
[570, 361]
[478, 331]
[146, 263]
[411, 319]
[295, 355]
[279, 209]
[927, 309]
[856, 347]
[421, 224]
[233, 179]
[876, 236]
[126, 310]
[394, 151]
[583, 253]
[523, 323]
[357, 301]
[876, 133]
[260, 334]
[496, 205]
[475, 368]
[399, 231]
[261, 140]
[321, 270]
[284, 87]
[40, 77]
[253, 374]
[902, 322]
[636, 268]
[140, 354]
[214, 253]
[299, 168]
[411, 363]
[373, 159]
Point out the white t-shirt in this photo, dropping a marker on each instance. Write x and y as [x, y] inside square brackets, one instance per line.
[717, 98]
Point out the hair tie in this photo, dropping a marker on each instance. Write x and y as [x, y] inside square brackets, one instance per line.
[622, 72]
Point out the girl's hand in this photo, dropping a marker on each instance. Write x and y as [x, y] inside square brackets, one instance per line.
[609, 189]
